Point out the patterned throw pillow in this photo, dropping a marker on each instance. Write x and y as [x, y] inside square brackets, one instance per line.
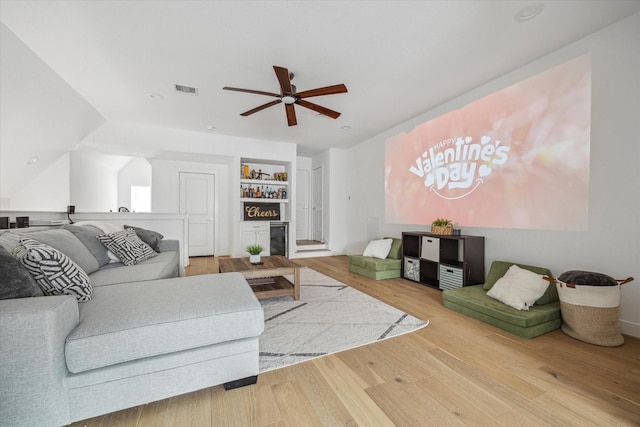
[53, 271]
[127, 246]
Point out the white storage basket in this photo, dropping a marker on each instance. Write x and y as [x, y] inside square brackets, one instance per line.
[590, 311]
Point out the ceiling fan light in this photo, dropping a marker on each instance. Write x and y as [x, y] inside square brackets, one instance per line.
[287, 99]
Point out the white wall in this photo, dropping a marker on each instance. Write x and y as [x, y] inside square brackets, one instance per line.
[612, 243]
[137, 172]
[40, 115]
[94, 180]
[48, 190]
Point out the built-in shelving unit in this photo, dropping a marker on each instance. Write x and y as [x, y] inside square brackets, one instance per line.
[443, 262]
[265, 205]
[264, 181]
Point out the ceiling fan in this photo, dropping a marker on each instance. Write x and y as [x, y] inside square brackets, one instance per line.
[290, 96]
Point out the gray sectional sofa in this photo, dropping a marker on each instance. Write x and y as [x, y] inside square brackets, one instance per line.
[145, 334]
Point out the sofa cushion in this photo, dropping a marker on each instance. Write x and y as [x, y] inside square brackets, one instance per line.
[88, 235]
[518, 288]
[55, 273]
[163, 266]
[151, 238]
[375, 264]
[475, 299]
[127, 246]
[15, 280]
[106, 227]
[373, 274]
[132, 321]
[499, 268]
[67, 243]
[378, 248]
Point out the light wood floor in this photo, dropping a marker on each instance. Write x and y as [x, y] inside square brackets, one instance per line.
[456, 371]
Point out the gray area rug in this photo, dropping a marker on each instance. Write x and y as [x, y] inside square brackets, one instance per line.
[329, 317]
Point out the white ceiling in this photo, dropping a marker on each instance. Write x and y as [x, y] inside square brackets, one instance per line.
[398, 59]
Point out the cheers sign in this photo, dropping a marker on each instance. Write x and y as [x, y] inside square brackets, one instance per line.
[261, 211]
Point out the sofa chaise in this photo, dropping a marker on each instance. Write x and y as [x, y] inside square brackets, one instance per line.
[542, 317]
[144, 335]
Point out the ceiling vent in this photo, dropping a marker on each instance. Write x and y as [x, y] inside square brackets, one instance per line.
[187, 89]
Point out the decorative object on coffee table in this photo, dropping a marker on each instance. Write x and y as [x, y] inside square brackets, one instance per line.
[442, 226]
[254, 253]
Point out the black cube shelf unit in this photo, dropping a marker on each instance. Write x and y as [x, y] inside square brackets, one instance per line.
[443, 262]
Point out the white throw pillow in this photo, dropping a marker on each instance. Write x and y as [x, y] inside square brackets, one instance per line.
[378, 248]
[519, 288]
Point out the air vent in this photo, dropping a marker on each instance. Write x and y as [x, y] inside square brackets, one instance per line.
[187, 89]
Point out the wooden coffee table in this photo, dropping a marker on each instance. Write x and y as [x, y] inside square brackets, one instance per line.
[266, 279]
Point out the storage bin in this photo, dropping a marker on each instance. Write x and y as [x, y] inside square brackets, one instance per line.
[589, 304]
[450, 277]
[412, 269]
[430, 248]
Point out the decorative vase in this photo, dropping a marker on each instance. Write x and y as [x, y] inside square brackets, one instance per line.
[254, 259]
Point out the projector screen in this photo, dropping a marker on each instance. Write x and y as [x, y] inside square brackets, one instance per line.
[518, 158]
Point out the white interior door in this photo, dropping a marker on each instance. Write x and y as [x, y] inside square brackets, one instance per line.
[302, 204]
[317, 194]
[197, 195]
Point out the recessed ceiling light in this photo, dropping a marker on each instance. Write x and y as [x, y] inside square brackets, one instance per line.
[156, 96]
[210, 128]
[33, 160]
[528, 12]
[345, 127]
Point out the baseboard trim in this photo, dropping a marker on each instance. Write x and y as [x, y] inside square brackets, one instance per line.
[630, 328]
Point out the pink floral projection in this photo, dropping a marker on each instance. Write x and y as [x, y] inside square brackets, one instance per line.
[518, 158]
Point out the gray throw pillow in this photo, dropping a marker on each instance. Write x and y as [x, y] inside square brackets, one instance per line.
[151, 238]
[88, 235]
[15, 280]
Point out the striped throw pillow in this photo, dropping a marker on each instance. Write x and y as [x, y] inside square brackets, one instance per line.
[127, 246]
[54, 272]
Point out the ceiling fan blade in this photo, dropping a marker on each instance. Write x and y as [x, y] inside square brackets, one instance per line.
[318, 108]
[328, 90]
[257, 92]
[262, 107]
[291, 114]
[283, 78]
